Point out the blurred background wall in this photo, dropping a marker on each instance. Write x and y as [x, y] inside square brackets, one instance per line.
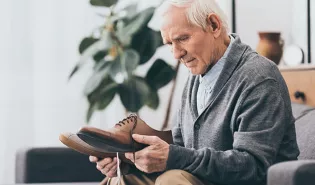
[285, 16]
[38, 49]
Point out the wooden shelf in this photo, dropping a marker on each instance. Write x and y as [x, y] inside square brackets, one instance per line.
[297, 68]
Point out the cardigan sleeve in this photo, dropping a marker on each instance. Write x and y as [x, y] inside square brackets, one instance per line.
[177, 130]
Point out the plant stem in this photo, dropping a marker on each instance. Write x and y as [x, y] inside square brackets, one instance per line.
[165, 124]
[115, 38]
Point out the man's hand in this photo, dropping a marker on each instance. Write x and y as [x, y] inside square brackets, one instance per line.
[107, 166]
[152, 158]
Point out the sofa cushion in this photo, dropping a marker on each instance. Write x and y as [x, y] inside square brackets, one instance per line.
[305, 130]
[54, 164]
[299, 110]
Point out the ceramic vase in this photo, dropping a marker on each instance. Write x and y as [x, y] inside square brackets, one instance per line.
[270, 46]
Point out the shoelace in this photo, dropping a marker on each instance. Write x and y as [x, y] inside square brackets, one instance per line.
[133, 118]
[118, 170]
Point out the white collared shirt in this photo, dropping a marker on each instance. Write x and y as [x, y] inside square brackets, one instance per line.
[207, 82]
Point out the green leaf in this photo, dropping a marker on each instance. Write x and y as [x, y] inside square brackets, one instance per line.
[123, 66]
[90, 112]
[130, 59]
[95, 95]
[102, 44]
[103, 95]
[133, 25]
[159, 74]
[100, 65]
[106, 3]
[116, 71]
[96, 79]
[99, 56]
[86, 42]
[130, 10]
[153, 100]
[106, 95]
[74, 70]
[134, 93]
[145, 42]
[124, 12]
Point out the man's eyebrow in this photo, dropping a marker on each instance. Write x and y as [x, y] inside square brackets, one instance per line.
[177, 37]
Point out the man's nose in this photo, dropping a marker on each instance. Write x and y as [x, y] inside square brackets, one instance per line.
[178, 52]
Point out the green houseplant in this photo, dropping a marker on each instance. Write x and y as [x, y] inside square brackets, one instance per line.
[116, 49]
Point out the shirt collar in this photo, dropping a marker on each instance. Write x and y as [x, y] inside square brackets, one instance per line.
[215, 71]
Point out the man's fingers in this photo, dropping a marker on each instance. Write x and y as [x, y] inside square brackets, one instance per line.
[111, 174]
[104, 162]
[138, 155]
[93, 159]
[149, 140]
[112, 166]
[106, 171]
[129, 156]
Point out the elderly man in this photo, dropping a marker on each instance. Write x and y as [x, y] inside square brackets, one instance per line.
[235, 117]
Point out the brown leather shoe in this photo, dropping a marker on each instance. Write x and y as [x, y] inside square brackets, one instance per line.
[73, 141]
[119, 139]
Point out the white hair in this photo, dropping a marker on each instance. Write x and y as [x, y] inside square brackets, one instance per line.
[198, 11]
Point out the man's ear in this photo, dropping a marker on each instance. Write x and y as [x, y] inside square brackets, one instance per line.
[214, 24]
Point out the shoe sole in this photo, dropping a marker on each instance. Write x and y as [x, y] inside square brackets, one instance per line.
[106, 144]
[74, 142]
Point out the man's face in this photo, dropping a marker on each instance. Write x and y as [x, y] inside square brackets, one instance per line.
[190, 44]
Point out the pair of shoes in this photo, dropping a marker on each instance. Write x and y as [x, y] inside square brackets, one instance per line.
[106, 143]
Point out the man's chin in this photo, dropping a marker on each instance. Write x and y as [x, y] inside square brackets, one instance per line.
[194, 71]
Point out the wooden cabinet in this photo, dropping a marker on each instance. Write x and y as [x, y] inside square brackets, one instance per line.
[301, 83]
